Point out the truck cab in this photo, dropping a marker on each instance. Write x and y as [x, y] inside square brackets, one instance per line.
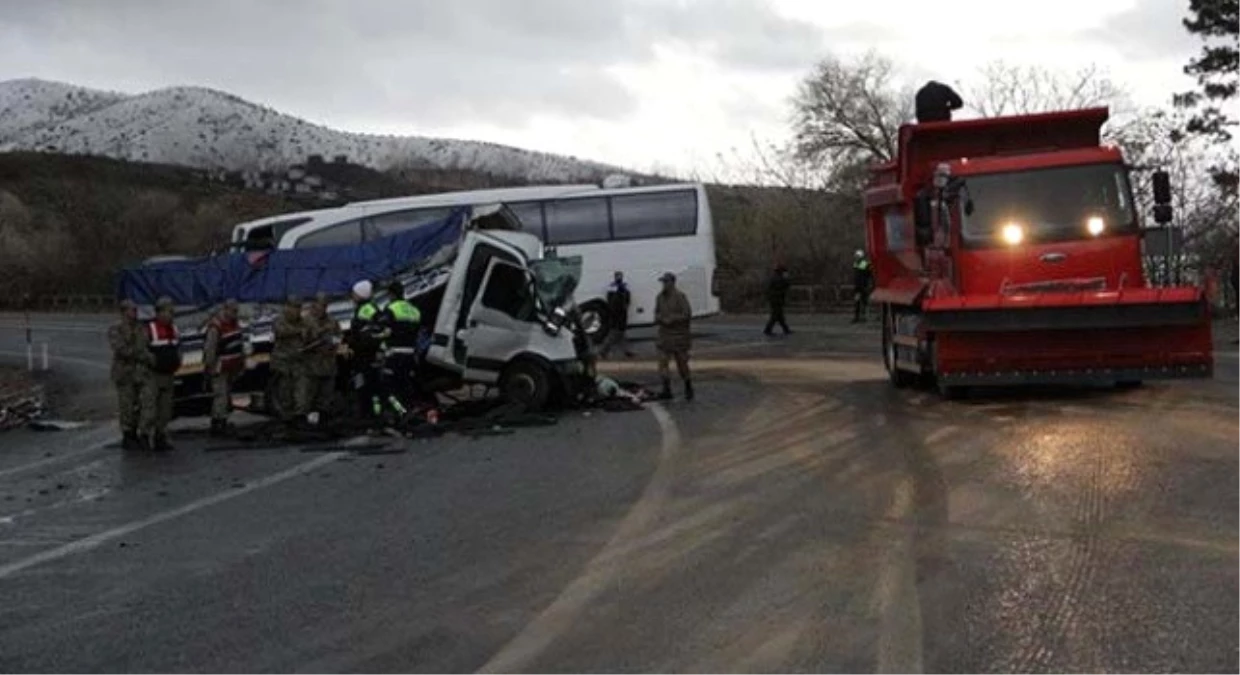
[498, 324]
[1009, 251]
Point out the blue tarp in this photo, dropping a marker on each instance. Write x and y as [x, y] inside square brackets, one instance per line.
[275, 275]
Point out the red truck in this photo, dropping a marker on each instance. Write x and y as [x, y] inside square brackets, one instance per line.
[1008, 250]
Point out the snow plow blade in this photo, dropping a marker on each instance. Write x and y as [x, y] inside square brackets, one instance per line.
[1071, 338]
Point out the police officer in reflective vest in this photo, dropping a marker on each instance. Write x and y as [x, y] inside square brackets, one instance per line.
[401, 320]
[223, 357]
[363, 342]
[165, 345]
[862, 277]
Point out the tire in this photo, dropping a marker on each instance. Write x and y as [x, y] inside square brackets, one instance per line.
[527, 384]
[899, 378]
[595, 321]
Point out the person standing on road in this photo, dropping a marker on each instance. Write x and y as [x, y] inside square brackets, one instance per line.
[288, 358]
[401, 320]
[673, 316]
[863, 277]
[164, 345]
[777, 297]
[362, 341]
[131, 362]
[223, 358]
[618, 300]
[317, 380]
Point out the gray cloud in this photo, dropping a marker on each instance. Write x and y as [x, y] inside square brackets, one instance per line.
[416, 62]
[1147, 31]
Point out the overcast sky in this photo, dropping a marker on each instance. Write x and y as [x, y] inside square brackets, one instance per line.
[663, 84]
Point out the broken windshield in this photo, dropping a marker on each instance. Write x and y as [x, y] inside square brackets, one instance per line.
[1048, 205]
[555, 280]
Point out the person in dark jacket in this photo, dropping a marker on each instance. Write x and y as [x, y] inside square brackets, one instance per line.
[618, 300]
[863, 277]
[935, 102]
[777, 298]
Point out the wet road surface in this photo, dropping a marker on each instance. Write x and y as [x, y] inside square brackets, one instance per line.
[800, 516]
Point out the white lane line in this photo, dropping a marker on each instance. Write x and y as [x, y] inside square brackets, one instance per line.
[94, 541]
[896, 599]
[88, 363]
[92, 447]
[595, 577]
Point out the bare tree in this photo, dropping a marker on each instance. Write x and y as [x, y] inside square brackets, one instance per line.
[847, 112]
[1005, 89]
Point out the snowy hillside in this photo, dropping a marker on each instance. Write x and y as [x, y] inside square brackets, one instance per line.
[205, 128]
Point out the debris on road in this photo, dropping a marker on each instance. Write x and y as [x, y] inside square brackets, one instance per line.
[21, 398]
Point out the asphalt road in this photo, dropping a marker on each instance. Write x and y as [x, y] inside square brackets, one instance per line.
[799, 516]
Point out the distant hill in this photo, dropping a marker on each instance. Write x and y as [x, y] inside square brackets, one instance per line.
[209, 129]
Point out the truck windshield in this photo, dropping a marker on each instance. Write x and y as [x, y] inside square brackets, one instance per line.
[1048, 205]
[555, 279]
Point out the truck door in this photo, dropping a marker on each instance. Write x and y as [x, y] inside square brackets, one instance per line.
[498, 324]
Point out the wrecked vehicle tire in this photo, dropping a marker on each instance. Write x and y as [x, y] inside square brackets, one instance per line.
[526, 383]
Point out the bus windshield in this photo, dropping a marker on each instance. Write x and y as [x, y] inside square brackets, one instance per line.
[1047, 205]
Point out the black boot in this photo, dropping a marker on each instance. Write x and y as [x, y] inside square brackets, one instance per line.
[666, 394]
[161, 443]
[129, 441]
[219, 428]
[688, 390]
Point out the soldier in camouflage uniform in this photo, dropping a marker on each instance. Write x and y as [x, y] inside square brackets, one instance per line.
[317, 381]
[131, 361]
[223, 359]
[288, 357]
[164, 346]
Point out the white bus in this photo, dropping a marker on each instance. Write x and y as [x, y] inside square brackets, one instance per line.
[640, 231]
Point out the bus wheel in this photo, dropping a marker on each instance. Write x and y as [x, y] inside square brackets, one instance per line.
[595, 321]
[527, 384]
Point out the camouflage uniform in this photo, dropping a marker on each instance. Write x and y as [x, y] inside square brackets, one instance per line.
[223, 359]
[673, 315]
[317, 380]
[164, 347]
[288, 357]
[131, 361]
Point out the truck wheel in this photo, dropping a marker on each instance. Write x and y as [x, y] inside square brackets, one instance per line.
[527, 384]
[595, 321]
[899, 378]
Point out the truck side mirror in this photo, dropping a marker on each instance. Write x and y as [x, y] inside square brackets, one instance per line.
[923, 220]
[1162, 187]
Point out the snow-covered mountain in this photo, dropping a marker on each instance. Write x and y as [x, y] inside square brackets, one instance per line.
[205, 128]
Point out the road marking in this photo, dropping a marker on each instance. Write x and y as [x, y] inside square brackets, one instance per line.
[93, 447]
[94, 541]
[939, 434]
[899, 608]
[89, 363]
[563, 612]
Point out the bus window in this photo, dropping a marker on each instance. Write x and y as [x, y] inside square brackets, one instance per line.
[531, 216]
[337, 235]
[654, 214]
[388, 224]
[577, 221]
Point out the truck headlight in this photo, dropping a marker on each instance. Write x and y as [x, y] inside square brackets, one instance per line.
[1013, 234]
[1095, 225]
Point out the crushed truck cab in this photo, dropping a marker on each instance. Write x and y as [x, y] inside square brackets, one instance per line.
[1008, 250]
